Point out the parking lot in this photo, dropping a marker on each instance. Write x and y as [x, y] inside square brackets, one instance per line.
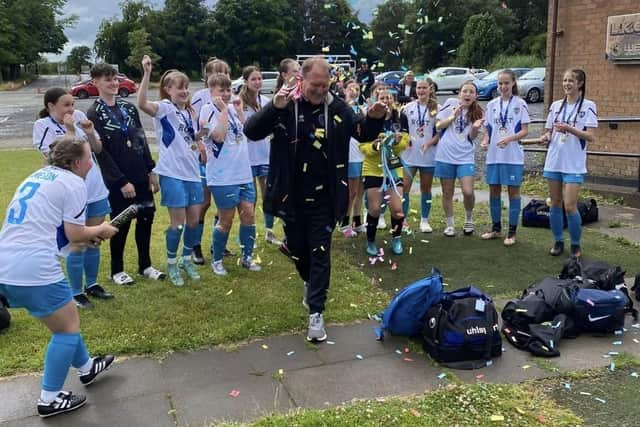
[19, 109]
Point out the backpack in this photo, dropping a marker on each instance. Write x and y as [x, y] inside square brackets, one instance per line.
[600, 311]
[405, 312]
[462, 331]
[599, 274]
[536, 214]
[588, 211]
[5, 316]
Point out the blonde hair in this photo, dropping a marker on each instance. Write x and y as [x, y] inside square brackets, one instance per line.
[432, 102]
[215, 65]
[174, 78]
[217, 79]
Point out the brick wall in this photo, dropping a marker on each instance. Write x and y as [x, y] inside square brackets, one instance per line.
[614, 88]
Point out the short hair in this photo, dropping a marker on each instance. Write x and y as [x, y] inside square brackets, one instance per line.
[220, 80]
[309, 63]
[103, 70]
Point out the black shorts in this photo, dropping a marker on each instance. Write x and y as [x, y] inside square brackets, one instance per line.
[376, 182]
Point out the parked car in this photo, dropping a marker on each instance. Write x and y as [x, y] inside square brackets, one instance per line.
[390, 78]
[451, 78]
[488, 85]
[85, 88]
[269, 81]
[531, 85]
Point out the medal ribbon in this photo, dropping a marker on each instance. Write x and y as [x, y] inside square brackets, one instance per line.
[124, 128]
[564, 112]
[188, 123]
[504, 118]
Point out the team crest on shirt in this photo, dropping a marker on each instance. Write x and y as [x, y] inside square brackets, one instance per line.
[412, 112]
[582, 114]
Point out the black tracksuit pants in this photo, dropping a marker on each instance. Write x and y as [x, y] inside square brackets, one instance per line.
[309, 240]
[144, 221]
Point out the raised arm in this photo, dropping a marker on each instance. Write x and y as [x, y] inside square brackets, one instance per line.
[149, 107]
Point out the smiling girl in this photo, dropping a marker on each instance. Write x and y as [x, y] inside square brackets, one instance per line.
[570, 125]
[460, 121]
[178, 164]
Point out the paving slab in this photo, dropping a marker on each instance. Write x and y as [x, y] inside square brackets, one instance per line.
[142, 411]
[378, 376]
[19, 395]
[278, 354]
[588, 351]
[514, 366]
[359, 339]
[258, 396]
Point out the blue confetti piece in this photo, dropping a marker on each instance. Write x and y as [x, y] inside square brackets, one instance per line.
[353, 51]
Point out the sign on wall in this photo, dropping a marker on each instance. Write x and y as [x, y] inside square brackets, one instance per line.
[623, 38]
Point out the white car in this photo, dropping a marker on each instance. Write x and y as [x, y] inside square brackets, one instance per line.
[269, 80]
[451, 78]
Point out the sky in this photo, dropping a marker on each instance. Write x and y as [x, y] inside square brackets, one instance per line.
[92, 12]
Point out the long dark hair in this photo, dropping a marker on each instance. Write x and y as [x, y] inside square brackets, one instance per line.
[581, 77]
[509, 72]
[283, 68]
[250, 99]
[52, 96]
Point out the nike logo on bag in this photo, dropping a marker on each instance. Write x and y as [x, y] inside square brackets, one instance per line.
[595, 319]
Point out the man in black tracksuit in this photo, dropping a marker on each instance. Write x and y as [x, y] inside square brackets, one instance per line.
[307, 183]
[126, 165]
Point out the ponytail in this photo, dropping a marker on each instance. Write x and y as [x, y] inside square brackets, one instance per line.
[51, 96]
[509, 72]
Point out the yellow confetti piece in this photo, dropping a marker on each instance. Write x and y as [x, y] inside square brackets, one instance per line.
[352, 305]
[265, 347]
[401, 26]
[340, 166]
[368, 35]
[326, 49]
[526, 366]
[440, 19]
[319, 187]
[304, 167]
[337, 118]
[520, 411]
[411, 250]
[238, 262]
[319, 133]
[317, 144]
[413, 211]
[258, 260]
[230, 292]
[496, 418]
[415, 413]
[280, 372]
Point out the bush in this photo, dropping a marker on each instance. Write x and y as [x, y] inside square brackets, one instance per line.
[507, 61]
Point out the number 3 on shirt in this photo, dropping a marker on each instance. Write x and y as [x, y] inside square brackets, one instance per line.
[16, 215]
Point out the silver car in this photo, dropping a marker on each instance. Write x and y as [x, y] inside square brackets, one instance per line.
[531, 85]
[269, 80]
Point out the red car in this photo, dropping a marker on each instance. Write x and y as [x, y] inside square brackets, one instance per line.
[85, 88]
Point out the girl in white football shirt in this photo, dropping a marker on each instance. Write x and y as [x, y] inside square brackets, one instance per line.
[421, 153]
[44, 216]
[252, 102]
[229, 174]
[460, 121]
[507, 122]
[570, 125]
[57, 119]
[199, 99]
[179, 154]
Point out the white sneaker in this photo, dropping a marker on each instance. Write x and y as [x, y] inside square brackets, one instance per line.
[250, 264]
[382, 224]
[218, 268]
[424, 226]
[361, 229]
[122, 278]
[271, 238]
[450, 232]
[153, 274]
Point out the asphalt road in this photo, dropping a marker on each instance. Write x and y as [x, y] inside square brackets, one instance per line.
[19, 109]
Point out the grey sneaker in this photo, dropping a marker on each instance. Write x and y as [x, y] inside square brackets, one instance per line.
[190, 268]
[304, 297]
[174, 275]
[316, 331]
[218, 268]
[250, 264]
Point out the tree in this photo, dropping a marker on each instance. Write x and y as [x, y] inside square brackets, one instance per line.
[389, 30]
[79, 56]
[138, 47]
[482, 40]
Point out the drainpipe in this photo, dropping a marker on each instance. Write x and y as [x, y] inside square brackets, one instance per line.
[552, 59]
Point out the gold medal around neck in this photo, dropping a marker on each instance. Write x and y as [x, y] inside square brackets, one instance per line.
[563, 138]
[502, 132]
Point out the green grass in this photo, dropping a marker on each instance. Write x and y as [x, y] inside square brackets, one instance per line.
[460, 405]
[155, 317]
[489, 265]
